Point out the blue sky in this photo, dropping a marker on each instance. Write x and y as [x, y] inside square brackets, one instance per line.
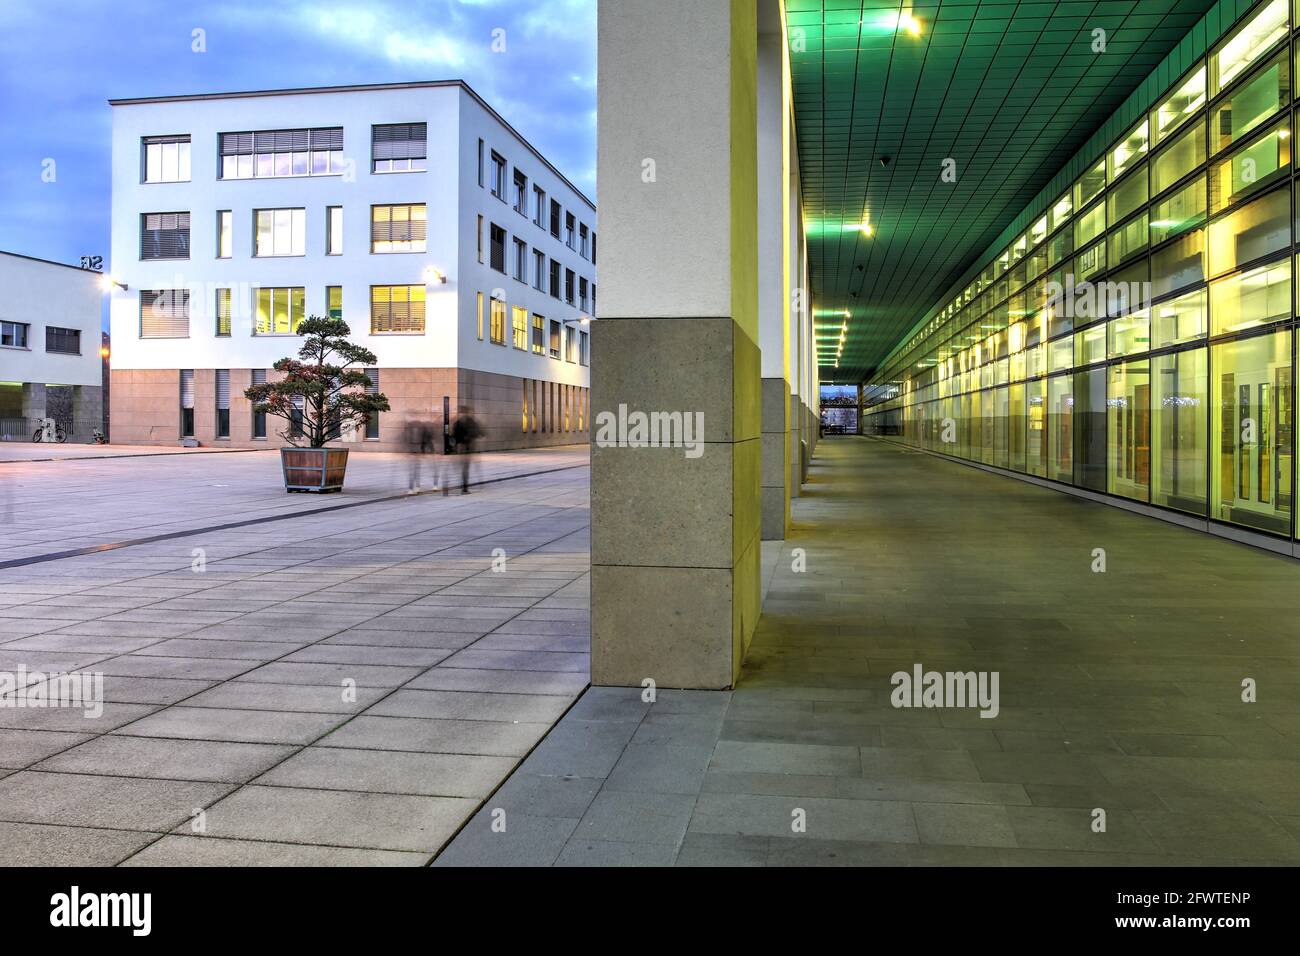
[60, 63]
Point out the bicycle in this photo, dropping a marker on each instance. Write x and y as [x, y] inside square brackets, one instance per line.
[50, 431]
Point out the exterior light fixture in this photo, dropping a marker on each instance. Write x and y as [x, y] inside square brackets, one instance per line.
[434, 274]
[106, 282]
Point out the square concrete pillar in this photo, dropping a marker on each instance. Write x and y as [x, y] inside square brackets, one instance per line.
[33, 400]
[675, 531]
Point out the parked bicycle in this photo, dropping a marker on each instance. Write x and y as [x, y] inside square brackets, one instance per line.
[49, 431]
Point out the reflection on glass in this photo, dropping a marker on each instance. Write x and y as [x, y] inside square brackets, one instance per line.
[1128, 152]
[1179, 320]
[1252, 298]
[1060, 437]
[1036, 427]
[1089, 185]
[1178, 433]
[1255, 230]
[1259, 98]
[1248, 44]
[1178, 159]
[1129, 334]
[1178, 107]
[1128, 443]
[1180, 263]
[1182, 210]
[1252, 394]
[1251, 168]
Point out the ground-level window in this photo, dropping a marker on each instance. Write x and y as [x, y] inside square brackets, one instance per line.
[259, 418]
[187, 403]
[223, 402]
[372, 421]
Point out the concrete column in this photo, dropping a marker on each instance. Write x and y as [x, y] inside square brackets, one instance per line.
[33, 400]
[774, 285]
[675, 534]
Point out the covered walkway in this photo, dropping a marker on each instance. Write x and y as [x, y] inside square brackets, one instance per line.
[1119, 691]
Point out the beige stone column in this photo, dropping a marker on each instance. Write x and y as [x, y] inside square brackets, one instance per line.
[675, 531]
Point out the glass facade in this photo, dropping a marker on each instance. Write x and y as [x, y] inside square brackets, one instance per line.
[1138, 339]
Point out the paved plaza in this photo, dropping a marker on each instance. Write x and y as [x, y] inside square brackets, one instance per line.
[1120, 691]
[341, 687]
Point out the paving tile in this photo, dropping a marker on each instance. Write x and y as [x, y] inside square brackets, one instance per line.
[308, 698]
[252, 726]
[215, 851]
[96, 801]
[636, 817]
[375, 771]
[19, 748]
[426, 735]
[605, 853]
[39, 844]
[525, 841]
[338, 818]
[205, 760]
[866, 821]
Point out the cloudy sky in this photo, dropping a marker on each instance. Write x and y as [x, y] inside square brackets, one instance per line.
[61, 62]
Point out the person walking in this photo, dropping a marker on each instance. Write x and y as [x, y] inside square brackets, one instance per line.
[420, 439]
[464, 433]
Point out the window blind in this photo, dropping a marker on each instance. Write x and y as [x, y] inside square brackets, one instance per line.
[399, 141]
[165, 235]
[164, 313]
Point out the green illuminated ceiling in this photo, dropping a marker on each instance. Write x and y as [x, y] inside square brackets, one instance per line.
[1010, 90]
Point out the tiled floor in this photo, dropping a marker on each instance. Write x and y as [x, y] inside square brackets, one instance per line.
[53, 506]
[1120, 691]
[343, 687]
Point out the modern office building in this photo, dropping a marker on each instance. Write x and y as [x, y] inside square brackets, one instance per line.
[50, 364]
[1130, 337]
[452, 248]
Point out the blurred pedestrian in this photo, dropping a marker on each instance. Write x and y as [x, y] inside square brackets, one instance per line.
[464, 433]
[419, 436]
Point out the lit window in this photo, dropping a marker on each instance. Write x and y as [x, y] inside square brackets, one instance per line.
[1251, 41]
[519, 327]
[279, 311]
[398, 228]
[280, 232]
[397, 308]
[1178, 107]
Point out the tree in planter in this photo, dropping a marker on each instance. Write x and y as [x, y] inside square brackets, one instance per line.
[325, 376]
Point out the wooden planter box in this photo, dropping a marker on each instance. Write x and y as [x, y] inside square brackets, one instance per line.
[314, 469]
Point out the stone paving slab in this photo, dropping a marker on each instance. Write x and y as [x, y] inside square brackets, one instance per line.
[1119, 691]
[298, 687]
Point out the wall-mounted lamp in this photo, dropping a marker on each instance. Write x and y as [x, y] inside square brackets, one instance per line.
[106, 282]
[434, 274]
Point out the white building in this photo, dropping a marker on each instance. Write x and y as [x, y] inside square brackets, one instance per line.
[49, 347]
[455, 252]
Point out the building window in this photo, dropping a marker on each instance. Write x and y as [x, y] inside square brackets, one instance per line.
[582, 286]
[498, 176]
[555, 278]
[480, 240]
[223, 402]
[593, 251]
[166, 159]
[333, 230]
[1247, 45]
[570, 344]
[568, 286]
[164, 313]
[63, 341]
[398, 228]
[397, 308]
[521, 260]
[539, 206]
[497, 331]
[225, 234]
[282, 152]
[555, 219]
[583, 240]
[223, 312]
[334, 301]
[14, 335]
[584, 345]
[279, 311]
[259, 418]
[539, 270]
[480, 162]
[398, 148]
[498, 249]
[539, 334]
[519, 327]
[555, 339]
[521, 193]
[187, 402]
[568, 229]
[165, 235]
[372, 421]
[279, 232]
[480, 316]
[1251, 387]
